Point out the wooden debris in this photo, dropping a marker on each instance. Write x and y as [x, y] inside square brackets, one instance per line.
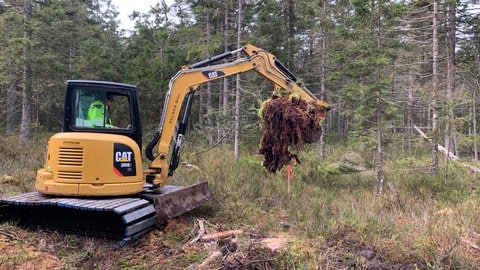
[225, 234]
[212, 262]
[204, 236]
[201, 231]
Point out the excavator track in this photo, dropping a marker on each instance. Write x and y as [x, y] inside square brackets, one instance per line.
[119, 218]
[123, 218]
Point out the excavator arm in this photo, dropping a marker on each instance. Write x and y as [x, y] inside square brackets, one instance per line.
[182, 87]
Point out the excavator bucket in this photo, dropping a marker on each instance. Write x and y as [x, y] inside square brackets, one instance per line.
[174, 201]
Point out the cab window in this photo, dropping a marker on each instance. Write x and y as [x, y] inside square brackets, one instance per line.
[95, 108]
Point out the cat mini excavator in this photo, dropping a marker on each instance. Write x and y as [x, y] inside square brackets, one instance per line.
[93, 180]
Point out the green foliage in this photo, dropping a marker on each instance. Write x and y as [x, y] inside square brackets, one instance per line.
[269, 27]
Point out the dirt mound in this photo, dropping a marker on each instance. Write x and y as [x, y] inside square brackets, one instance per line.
[288, 122]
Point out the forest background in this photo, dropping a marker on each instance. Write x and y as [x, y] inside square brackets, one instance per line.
[384, 66]
[387, 68]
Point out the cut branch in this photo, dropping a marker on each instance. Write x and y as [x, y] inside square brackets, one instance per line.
[225, 234]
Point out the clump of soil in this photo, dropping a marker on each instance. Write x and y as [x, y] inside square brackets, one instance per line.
[288, 122]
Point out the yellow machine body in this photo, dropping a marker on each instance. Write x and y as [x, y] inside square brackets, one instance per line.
[91, 164]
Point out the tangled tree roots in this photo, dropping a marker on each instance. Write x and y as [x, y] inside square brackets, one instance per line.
[288, 123]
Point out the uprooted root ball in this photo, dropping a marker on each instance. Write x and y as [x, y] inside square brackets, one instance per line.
[288, 123]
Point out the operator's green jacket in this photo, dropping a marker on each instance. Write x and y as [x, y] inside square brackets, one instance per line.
[99, 114]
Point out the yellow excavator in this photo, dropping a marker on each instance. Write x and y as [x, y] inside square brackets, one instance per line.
[93, 180]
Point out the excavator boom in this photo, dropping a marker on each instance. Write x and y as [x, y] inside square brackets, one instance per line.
[183, 85]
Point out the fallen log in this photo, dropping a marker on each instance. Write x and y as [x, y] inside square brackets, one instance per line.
[446, 152]
[440, 147]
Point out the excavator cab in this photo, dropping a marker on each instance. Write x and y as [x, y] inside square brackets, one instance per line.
[103, 107]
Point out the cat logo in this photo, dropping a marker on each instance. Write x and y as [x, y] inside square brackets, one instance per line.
[213, 74]
[123, 160]
[123, 156]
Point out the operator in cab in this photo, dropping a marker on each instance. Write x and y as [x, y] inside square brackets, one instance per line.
[99, 113]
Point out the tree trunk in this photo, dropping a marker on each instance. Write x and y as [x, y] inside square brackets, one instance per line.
[236, 151]
[25, 129]
[208, 94]
[409, 109]
[289, 14]
[12, 106]
[380, 174]
[435, 167]
[225, 91]
[450, 87]
[474, 116]
[323, 70]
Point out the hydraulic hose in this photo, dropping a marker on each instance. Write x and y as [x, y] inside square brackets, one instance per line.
[151, 145]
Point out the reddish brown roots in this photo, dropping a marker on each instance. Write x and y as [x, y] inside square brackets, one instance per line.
[288, 123]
